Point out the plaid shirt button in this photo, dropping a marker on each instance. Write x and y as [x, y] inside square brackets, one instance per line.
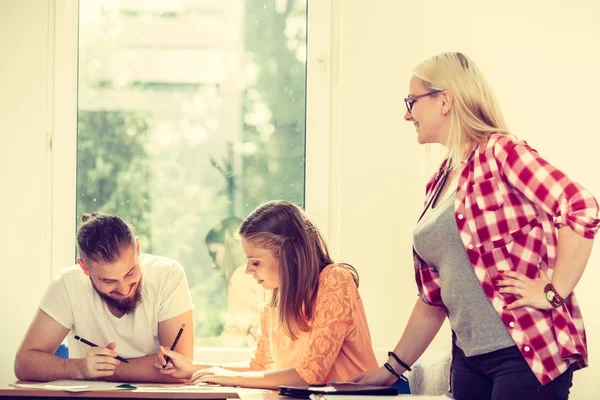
[460, 216]
[511, 324]
[526, 348]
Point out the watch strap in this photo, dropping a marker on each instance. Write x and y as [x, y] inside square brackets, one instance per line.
[557, 299]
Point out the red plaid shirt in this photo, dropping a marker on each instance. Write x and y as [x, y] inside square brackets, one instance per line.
[509, 204]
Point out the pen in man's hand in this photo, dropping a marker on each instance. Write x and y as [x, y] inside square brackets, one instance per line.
[82, 340]
[167, 358]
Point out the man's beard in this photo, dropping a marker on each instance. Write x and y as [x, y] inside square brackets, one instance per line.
[126, 306]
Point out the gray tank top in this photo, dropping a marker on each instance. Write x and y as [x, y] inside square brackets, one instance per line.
[477, 326]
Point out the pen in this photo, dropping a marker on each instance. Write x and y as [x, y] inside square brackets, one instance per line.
[167, 358]
[82, 340]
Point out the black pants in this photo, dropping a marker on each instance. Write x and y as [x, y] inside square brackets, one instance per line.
[503, 375]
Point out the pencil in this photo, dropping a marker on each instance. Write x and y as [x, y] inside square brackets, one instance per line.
[167, 358]
[82, 340]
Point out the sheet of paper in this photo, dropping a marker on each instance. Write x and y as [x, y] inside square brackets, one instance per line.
[71, 385]
[258, 394]
[84, 386]
[168, 387]
[214, 390]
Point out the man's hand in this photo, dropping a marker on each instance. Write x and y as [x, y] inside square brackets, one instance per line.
[99, 362]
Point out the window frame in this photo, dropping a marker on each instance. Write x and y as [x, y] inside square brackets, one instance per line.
[64, 138]
[320, 136]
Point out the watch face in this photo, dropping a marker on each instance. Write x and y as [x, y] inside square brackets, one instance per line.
[550, 295]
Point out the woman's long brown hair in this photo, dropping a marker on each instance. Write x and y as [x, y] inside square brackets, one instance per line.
[284, 229]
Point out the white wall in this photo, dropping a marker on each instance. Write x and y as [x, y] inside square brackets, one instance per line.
[25, 267]
[541, 57]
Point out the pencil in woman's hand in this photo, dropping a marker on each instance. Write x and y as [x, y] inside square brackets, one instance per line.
[167, 358]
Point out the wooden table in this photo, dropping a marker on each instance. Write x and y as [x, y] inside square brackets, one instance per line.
[12, 393]
[15, 393]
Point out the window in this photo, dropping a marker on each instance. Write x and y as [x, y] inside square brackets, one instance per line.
[190, 114]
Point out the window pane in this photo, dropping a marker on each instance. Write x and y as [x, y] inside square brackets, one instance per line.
[190, 114]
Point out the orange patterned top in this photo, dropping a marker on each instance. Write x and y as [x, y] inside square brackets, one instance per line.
[338, 344]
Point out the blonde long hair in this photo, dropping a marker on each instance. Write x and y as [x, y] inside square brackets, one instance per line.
[284, 229]
[475, 112]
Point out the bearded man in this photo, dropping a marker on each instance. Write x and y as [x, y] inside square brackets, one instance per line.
[126, 302]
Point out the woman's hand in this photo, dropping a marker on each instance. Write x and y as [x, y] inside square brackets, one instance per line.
[220, 376]
[530, 291]
[178, 367]
[376, 377]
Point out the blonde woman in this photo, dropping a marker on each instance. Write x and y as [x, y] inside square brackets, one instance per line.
[313, 330]
[503, 240]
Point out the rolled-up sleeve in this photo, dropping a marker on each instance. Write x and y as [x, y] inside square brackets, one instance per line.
[548, 187]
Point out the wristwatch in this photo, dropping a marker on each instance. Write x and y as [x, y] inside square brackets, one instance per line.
[552, 296]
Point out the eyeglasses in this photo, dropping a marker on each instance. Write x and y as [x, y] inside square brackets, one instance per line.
[411, 100]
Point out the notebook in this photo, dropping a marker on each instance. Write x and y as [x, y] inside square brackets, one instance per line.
[337, 389]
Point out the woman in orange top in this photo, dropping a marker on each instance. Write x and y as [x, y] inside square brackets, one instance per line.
[313, 329]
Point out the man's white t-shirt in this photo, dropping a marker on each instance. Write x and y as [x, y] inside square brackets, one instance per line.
[72, 301]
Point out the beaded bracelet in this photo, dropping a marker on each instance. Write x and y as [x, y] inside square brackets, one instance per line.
[389, 368]
[405, 365]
